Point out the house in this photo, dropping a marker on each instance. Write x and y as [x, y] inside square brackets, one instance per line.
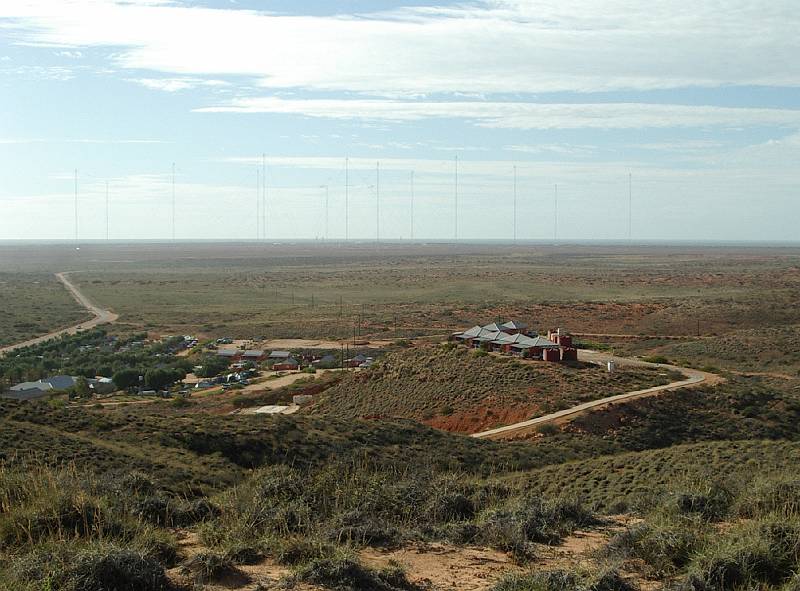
[514, 338]
[40, 388]
[514, 327]
[230, 354]
[532, 348]
[355, 361]
[253, 355]
[327, 362]
[288, 364]
[280, 355]
[102, 386]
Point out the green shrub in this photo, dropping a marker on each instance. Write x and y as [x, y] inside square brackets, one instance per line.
[103, 569]
[664, 546]
[749, 555]
[347, 574]
[209, 566]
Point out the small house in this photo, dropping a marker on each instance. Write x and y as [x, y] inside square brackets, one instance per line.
[253, 355]
[356, 361]
[231, 355]
[288, 364]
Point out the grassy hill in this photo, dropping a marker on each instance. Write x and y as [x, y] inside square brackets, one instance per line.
[629, 481]
[458, 390]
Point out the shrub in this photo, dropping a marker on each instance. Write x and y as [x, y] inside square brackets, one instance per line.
[711, 501]
[118, 569]
[751, 555]
[664, 546]
[347, 574]
[533, 520]
[548, 429]
[774, 496]
[208, 566]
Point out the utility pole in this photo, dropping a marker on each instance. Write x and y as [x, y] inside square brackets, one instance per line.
[106, 211]
[346, 199]
[412, 205]
[515, 203]
[173, 202]
[455, 205]
[378, 201]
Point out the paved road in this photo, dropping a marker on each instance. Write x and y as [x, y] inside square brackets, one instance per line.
[693, 377]
[101, 316]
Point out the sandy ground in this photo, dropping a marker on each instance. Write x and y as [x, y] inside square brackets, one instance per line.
[289, 344]
[440, 566]
[101, 316]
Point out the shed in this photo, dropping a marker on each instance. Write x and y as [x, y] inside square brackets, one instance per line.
[289, 364]
[253, 355]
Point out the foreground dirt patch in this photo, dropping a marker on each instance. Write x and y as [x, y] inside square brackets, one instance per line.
[445, 566]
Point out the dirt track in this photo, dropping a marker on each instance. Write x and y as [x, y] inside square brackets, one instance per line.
[693, 378]
[101, 316]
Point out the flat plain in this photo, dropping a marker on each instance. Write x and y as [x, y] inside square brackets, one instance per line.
[690, 489]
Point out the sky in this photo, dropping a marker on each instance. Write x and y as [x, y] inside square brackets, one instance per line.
[567, 119]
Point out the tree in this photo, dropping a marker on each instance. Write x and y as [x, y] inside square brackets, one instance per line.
[81, 388]
[162, 377]
[212, 366]
[126, 378]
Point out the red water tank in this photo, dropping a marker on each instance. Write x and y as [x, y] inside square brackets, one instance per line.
[565, 340]
[551, 355]
[569, 354]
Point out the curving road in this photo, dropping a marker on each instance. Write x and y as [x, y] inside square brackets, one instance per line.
[101, 316]
[693, 378]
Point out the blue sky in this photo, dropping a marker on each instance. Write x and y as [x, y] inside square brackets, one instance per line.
[699, 103]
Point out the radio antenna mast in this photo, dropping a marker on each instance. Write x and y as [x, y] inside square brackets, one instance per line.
[378, 201]
[173, 201]
[630, 206]
[106, 211]
[555, 216]
[258, 204]
[346, 199]
[76, 208]
[264, 200]
[515, 203]
[455, 204]
[412, 205]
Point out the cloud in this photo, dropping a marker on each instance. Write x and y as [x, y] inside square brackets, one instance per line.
[477, 47]
[12, 141]
[70, 54]
[521, 115]
[176, 84]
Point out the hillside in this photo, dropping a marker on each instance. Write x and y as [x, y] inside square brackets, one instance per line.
[458, 390]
